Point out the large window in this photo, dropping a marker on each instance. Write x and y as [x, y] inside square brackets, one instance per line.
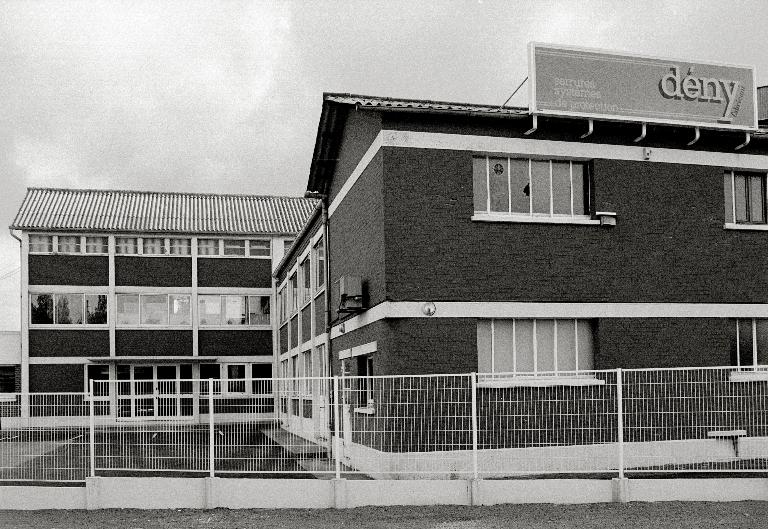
[745, 197]
[40, 243]
[751, 342]
[208, 247]
[234, 247]
[153, 309]
[526, 346]
[521, 187]
[68, 309]
[153, 246]
[126, 245]
[96, 245]
[258, 248]
[233, 310]
[69, 244]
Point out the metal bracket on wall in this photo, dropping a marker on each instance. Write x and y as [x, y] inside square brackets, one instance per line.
[642, 134]
[696, 136]
[590, 130]
[534, 126]
[746, 142]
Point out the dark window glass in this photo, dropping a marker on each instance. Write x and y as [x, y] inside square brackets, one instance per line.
[749, 198]
[95, 309]
[521, 190]
[42, 308]
[728, 192]
[98, 372]
[745, 343]
[561, 188]
[540, 186]
[480, 184]
[7, 379]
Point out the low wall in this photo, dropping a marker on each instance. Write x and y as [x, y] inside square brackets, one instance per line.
[209, 493]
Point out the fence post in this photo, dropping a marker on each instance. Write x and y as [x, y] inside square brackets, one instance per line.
[211, 438]
[92, 423]
[474, 425]
[336, 427]
[620, 420]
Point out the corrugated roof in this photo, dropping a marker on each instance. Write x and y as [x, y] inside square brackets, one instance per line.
[420, 104]
[148, 211]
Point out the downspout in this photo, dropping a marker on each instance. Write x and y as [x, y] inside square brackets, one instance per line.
[21, 308]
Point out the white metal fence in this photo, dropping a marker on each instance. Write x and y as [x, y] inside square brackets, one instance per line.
[610, 422]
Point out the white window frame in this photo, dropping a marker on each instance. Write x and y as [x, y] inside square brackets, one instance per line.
[54, 237]
[141, 325]
[734, 224]
[754, 366]
[247, 253]
[548, 218]
[62, 326]
[222, 307]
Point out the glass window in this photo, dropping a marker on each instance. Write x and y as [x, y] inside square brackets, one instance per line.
[96, 245]
[306, 278]
[40, 243]
[748, 195]
[234, 310]
[96, 309]
[752, 343]
[180, 246]
[207, 247]
[561, 188]
[127, 309]
[281, 300]
[520, 190]
[480, 182]
[154, 309]
[97, 373]
[234, 247]
[8, 379]
[210, 371]
[69, 244]
[540, 190]
[179, 309]
[69, 308]
[259, 248]
[498, 184]
[153, 246]
[258, 310]
[294, 293]
[42, 309]
[209, 310]
[319, 251]
[543, 346]
[236, 378]
[126, 245]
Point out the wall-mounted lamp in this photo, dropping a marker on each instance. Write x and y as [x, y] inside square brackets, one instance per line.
[428, 309]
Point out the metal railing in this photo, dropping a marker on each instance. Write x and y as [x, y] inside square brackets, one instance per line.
[607, 423]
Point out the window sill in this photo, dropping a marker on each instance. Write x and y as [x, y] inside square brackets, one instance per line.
[747, 227]
[527, 219]
[256, 327]
[748, 376]
[541, 382]
[68, 326]
[368, 410]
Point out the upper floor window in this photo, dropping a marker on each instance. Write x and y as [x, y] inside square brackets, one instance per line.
[153, 309]
[96, 245]
[522, 187]
[318, 251]
[126, 245]
[234, 247]
[294, 293]
[233, 310]
[153, 246]
[259, 248]
[68, 309]
[207, 247]
[751, 342]
[745, 197]
[528, 346]
[306, 280]
[40, 243]
[179, 246]
[69, 244]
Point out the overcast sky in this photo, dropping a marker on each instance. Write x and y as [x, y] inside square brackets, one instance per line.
[225, 96]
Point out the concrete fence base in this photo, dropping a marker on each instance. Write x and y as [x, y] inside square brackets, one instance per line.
[209, 493]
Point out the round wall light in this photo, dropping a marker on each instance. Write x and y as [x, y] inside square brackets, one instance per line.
[428, 309]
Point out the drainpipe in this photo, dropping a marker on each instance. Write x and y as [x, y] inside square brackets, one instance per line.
[324, 207]
[21, 308]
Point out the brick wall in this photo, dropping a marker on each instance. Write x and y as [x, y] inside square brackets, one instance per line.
[69, 342]
[151, 343]
[234, 272]
[360, 129]
[68, 270]
[153, 271]
[234, 343]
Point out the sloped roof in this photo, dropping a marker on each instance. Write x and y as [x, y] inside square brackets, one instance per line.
[391, 103]
[148, 211]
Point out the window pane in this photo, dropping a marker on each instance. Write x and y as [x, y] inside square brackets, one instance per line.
[234, 247]
[210, 371]
[585, 340]
[728, 192]
[745, 343]
[125, 245]
[42, 308]
[762, 342]
[580, 174]
[154, 309]
[320, 263]
[756, 199]
[97, 372]
[40, 243]
[153, 246]
[180, 246]
[521, 191]
[208, 247]
[234, 310]
[69, 308]
[502, 347]
[69, 244]
[258, 310]
[179, 308]
[209, 310]
[524, 345]
[499, 184]
[7, 379]
[545, 345]
[236, 376]
[740, 190]
[259, 248]
[540, 186]
[479, 183]
[484, 346]
[96, 245]
[561, 188]
[127, 309]
[294, 293]
[95, 309]
[566, 345]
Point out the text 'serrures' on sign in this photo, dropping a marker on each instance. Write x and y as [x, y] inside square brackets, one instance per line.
[567, 81]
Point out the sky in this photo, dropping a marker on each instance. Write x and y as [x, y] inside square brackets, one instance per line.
[226, 96]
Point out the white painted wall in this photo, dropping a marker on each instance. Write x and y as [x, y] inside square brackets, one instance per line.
[10, 347]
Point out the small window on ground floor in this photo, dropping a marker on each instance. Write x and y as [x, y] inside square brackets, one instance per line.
[97, 373]
[751, 345]
[7, 379]
[528, 346]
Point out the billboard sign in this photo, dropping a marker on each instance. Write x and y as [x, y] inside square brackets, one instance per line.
[581, 82]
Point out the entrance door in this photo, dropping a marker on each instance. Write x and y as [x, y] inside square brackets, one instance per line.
[154, 391]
